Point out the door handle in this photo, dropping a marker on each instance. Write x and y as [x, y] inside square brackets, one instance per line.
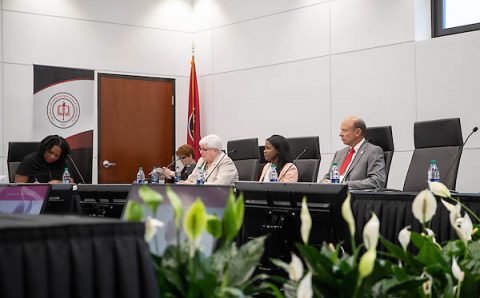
[107, 164]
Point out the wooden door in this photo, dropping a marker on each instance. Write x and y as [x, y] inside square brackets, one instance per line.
[136, 125]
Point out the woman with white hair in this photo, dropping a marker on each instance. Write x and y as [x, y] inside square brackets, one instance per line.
[217, 166]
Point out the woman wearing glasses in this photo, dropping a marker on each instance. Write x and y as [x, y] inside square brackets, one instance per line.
[217, 167]
[185, 154]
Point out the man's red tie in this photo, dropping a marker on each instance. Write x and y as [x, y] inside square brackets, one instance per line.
[347, 161]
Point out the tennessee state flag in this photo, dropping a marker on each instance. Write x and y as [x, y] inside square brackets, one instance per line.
[193, 125]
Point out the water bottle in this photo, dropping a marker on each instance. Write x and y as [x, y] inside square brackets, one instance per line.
[334, 174]
[200, 176]
[66, 176]
[273, 173]
[178, 174]
[154, 179]
[140, 176]
[433, 172]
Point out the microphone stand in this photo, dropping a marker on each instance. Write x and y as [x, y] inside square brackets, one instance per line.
[458, 154]
[294, 161]
[76, 169]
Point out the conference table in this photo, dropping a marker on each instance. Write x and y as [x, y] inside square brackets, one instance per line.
[69, 256]
[394, 210]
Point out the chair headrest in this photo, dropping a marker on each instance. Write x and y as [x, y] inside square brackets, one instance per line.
[18, 150]
[297, 145]
[381, 136]
[438, 133]
[243, 149]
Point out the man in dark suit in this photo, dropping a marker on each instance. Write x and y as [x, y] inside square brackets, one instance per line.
[361, 164]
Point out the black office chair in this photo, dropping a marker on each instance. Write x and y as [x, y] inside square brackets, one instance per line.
[440, 140]
[16, 152]
[382, 137]
[262, 161]
[245, 155]
[309, 163]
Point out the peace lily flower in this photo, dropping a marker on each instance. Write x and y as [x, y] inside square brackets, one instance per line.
[456, 271]
[295, 268]
[367, 262]
[427, 285]
[348, 215]
[424, 206]
[439, 189]
[304, 289]
[404, 237]
[450, 207]
[151, 227]
[371, 232]
[464, 228]
[306, 221]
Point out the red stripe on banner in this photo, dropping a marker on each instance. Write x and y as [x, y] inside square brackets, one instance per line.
[81, 140]
[58, 83]
[193, 124]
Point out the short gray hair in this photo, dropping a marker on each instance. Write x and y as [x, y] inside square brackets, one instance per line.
[212, 142]
[359, 123]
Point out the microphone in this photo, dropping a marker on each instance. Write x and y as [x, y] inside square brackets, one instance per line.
[294, 161]
[224, 154]
[76, 168]
[457, 155]
[180, 158]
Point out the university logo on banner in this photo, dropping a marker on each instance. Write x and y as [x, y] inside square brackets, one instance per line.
[63, 110]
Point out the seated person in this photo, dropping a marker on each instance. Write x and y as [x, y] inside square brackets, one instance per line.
[47, 164]
[217, 166]
[277, 153]
[185, 154]
[362, 163]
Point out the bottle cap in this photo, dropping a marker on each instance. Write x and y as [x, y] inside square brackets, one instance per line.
[433, 161]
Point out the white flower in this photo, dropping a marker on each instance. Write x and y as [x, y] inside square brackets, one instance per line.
[304, 289]
[427, 285]
[456, 271]
[404, 237]
[306, 221]
[295, 268]
[439, 189]
[371, 232]
[464, 228]
[367, 262]
[151, 226]
[431, 234]
[424, 206]
[447, 205]
[348, 215]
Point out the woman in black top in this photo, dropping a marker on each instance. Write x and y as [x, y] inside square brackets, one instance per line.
[185, 154]
[47, 164]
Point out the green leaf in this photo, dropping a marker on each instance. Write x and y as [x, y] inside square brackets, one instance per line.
[176, 204]
[280, 264]
[150, 197]
[243, 264]
[195, 220]
[134, 211]
[214, 226]
[230, 219]
[239, 211]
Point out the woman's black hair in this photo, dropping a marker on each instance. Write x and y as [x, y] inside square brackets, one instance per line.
[52, 140]
[281, 145]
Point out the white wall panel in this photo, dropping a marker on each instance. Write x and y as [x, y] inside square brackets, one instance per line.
[207, 106]
[399, 169]
[295, 35]
[203, 52]
[85, 44]
[360, 24]
[3, 169]
[18, 103]
[181, 110]
[447, 80]
[377, 85]
[274, 100]
[232, 11]
[202, 15]
[167, 14]
[468, 179]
